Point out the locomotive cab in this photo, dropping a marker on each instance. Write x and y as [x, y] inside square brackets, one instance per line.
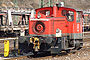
[53, 29]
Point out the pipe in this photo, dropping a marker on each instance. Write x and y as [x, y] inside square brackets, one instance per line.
[55, 10]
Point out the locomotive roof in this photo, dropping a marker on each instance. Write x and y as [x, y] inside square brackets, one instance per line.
[58, 7]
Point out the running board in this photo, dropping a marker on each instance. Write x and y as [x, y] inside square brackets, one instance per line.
[71, 48]
[73, 51]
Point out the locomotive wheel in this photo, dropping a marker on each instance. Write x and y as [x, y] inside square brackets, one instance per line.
[77, 45]
[68, 51]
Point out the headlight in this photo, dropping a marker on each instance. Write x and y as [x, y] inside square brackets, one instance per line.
[57, 30]
[58, 33]
[39, 16]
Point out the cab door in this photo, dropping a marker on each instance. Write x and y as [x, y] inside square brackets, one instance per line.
[69, 21]
[79, 22]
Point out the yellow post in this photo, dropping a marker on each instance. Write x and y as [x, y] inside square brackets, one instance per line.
[6, 48]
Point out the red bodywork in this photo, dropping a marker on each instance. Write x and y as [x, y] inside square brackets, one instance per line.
[56, 19]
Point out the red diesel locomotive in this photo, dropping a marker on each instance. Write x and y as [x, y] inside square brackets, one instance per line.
[54, 29]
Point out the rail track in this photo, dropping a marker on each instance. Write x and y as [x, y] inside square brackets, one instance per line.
[83, 54]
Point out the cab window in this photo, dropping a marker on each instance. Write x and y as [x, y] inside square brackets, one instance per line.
[68, 14]
[44, 12]
[79, 17]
